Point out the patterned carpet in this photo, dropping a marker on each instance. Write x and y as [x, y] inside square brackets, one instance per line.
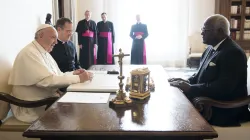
[180, 72]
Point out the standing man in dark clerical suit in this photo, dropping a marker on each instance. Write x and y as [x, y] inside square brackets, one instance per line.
[87, 41]
[138, 33]
[64, 52]
[106, 39]
[222, 74]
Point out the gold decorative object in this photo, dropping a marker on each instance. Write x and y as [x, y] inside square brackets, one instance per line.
[140, 83]
[121, 100]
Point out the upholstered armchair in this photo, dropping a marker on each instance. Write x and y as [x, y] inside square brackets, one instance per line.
[7, 98]
[204, 105]
[10, 127]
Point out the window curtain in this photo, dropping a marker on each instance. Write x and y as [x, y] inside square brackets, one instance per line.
[55, 11]
[167, 24]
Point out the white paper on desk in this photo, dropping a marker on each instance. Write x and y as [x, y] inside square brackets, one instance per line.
[100, 83]
[82, 97]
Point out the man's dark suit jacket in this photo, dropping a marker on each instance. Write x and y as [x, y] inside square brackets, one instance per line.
[222, 76]
[65, 56]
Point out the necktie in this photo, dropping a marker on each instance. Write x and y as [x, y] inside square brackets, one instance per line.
[210, 54]
[204, 64]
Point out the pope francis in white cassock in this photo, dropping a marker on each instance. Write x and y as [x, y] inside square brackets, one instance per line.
[35, 74]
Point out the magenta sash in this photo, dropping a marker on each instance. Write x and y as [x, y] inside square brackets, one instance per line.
[88, 33]
[95, 56]
[109, 45]
[144, 47]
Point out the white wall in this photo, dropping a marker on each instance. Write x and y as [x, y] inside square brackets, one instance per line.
[19, 20]
[199, 11]
[96, 6]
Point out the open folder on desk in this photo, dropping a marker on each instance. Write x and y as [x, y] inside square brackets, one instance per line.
[101, 82]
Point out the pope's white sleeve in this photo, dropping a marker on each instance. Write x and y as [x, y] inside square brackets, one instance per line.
[55, 81]
[68, 73]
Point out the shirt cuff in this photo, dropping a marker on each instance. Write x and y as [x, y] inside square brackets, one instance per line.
[69, 73]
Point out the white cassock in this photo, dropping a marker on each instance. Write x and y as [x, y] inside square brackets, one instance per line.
[35, 76]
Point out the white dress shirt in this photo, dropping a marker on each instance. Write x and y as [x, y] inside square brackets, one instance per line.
[217, 46]
[35, 76]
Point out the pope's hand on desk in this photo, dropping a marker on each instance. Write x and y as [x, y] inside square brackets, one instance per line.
[85, 76]
[184, 86]
[91, 75]
[79, 71]
[177, 79]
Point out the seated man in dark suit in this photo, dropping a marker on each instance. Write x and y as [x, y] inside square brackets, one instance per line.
[222, 74]
[64, 52]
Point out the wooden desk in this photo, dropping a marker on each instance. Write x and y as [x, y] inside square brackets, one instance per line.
[166, 115]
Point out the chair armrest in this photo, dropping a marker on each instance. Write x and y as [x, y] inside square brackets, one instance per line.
[205, 104]
[28, 104]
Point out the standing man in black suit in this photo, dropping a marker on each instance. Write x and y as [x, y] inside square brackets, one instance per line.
[138, 32]
[106, 39]
[222, 74]
[87, 40]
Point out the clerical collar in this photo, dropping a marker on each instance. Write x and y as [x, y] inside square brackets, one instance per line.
[61, 41]
[217, 46]
[39, 47]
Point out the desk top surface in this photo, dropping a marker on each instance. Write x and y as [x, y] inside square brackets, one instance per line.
[166, 113]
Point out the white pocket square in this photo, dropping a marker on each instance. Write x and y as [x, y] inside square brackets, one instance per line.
[212, 64]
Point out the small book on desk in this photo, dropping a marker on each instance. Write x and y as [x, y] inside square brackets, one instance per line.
[101, 82]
